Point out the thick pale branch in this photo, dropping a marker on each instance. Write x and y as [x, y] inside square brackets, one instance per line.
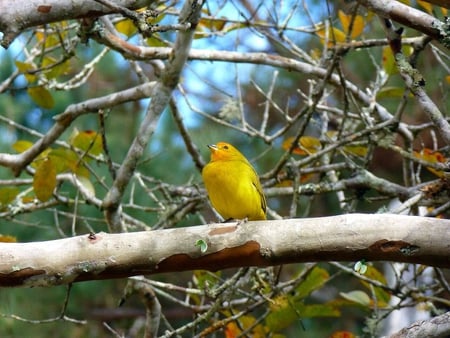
[378, 237]
[14, 19]
[438, 326]
[406, 15]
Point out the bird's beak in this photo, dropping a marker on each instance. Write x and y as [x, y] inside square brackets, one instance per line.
[213, 147]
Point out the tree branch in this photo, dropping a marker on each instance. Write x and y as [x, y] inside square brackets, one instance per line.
[438, 326]
[18, 161]
[190, 14]
[406, 15]
[415, 81]
[15, 19]
[352, 237]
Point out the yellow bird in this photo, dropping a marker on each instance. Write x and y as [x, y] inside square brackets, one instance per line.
[233, 185]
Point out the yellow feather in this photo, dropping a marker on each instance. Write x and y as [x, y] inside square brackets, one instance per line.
[233, 185]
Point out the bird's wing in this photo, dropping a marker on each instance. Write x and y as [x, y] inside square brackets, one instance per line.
[258, 187]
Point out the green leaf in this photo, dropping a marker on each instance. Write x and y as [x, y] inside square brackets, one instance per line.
[382, 296]
[360, 151]
[7, 195]
[63, 159]
[54, 68]
[44, 181]
[202, 244]
[285, 310]
[41, 96]
[392, 93]
[206, 279]
[87, 185]
[282, 313]
[319, 310]
[156, 41]
[360, 267]
[357, 296]
[315, 280]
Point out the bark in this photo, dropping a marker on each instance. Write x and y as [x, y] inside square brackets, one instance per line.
[16, 16]
[352, 237]
[406, 15]
[436, 327]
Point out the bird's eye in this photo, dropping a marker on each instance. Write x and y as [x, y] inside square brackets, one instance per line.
[225, 147]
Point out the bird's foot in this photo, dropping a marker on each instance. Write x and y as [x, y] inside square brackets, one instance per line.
[241, 221]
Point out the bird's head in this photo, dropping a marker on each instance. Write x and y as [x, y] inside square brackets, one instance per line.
[223, 151]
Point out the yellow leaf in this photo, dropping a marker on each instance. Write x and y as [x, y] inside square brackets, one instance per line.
[21, 145]
[357, 24]
[333, 35]
[345, 20]
[392, 92]
[447, 79]
[342, 334]
[52, 37]
[356, 150]
[306, 145]
[388, 60]
[432, 157]
[87, 140]
[233, 330]
[156, 41]
[68, 160]
[41, 96]
[25, 69]
[426, 6]
[7, 239]
[201, 33]
[328, 309]
[315, 53]
[212, 24]
[314, 281]
[27, 199]
[290, 311]
[44, 181]
[48, 40]
[54, 68]
[63, 159]
[358, 27]
[381, 295]
[234, 26]
[7, 195]
[126, 27]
